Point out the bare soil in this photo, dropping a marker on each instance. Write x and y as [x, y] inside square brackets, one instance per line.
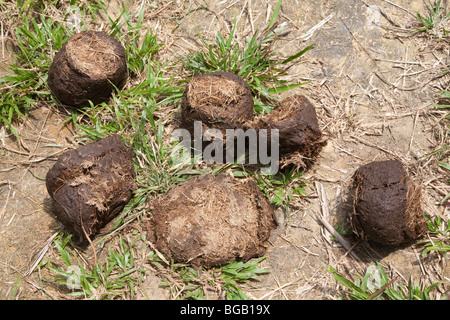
[373, 84]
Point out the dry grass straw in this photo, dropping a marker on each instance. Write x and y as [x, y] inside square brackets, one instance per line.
[93, 56]
[414, 210]
[214, 94]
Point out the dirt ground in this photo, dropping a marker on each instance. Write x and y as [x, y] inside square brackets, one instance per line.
[373, 84]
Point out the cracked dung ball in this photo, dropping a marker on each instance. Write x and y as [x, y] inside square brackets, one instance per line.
[300, 138]
[212, 220]
[87, 67]
[220, 100]
[387, 207]
[91, 185]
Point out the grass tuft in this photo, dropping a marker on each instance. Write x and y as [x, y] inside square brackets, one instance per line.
[439, 236]
[282, 188]
[376, 285]
[26, 85]
[116, 278]
[434, 22]
[185, 282]
[255, 61]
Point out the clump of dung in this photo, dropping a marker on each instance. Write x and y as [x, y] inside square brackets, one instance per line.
[88, 67]
[300, 138]
[91, 185]
[220, 100]
[212, 220]
[387, 206]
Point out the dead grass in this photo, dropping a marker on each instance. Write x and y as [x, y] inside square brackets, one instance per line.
[224, 91]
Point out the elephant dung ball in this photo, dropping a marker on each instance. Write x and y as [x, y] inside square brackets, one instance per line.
[300, 139]
[88, 67]
[91, 185]
[387, 204]
[220, 100]
[212, 220]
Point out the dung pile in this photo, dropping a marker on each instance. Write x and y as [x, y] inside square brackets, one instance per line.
[300, 137]
[91, 185]
[220, 100]
[387, 204]
[87, 67]
[210, 221]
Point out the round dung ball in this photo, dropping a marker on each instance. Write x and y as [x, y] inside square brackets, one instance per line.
[220, 100]
[300, 139]
[89, 66]
[212, 220]
[91, 185]
[387, 205]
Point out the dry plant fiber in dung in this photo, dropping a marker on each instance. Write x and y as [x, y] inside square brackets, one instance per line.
[212, 220]
[387, 204]
[91, 185]
[87, 67]
[220, 100]
[300, 137]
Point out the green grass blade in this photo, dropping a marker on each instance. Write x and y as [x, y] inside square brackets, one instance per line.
[297, 55]
[64, 254]
[275, 15]
[444, 165]
[286, 88]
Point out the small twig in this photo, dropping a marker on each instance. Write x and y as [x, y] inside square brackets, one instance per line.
[249, 9]
[323, 203]
[349, 153]
[388, 18]
[413, 131]
[7, 197]
[420, 86]
[396, 5]
[158, 253]
[3, 40]
[381, 290]
[39, 136]
[308, 35]
[420, 63]
[384, 14]
[374, 146]
[42, 157]
[299, 247]
[42, 253]
[325, 223]
[278, 284]
[91, 243]
[339, 238]
[4, 146]
[420, 262]
[242, 11]
[277, 289]
[87, 236]
[228, 7]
